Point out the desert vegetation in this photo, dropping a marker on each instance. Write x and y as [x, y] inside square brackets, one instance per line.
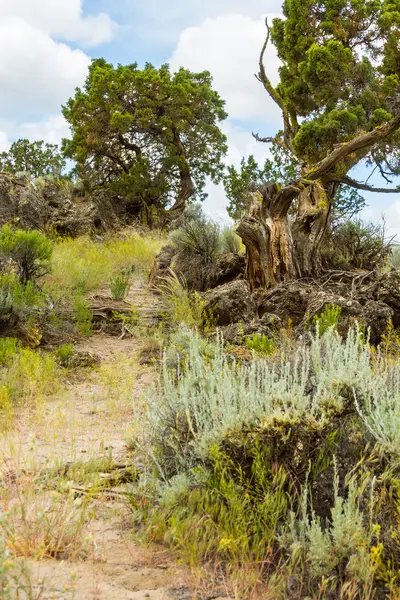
[208, 409]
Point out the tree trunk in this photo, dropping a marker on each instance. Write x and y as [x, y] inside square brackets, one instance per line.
[278, 246]
[310, 225]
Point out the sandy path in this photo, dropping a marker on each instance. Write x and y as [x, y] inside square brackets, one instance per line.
[89, 419]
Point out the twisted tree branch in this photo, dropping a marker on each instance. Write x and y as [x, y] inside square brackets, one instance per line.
[364, 186]
[274, 94]
[365, 140]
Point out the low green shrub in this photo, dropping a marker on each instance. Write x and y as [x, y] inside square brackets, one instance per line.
[230, 241]
[119, 286]
[394, 257]
[8, 349]
[260, 344]
[15, 580]
[183, 306]
[328, 318]
[357, 244]
[21, 307]
[83, 316]
[199, 242]
[65, 354]
[29, 252]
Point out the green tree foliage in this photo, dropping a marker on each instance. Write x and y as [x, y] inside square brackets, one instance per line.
[339, 78]
[36, 158]
[153, 136]
[339, 73]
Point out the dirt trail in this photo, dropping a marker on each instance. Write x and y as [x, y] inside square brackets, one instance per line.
[88, 420]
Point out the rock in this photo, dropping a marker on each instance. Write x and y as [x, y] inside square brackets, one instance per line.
[231, 303]
[319, 301]
[236, 333]
[269, 323]
[288, 301]
[229, 266]
[202, 276]
[387, 290]
[55, 206]
[376, 315]
[373, 314]
[21, 204]
[161, 266]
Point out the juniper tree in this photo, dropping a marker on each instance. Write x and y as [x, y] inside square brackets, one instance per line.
[150, 135]
[39, 159]
[338, 93]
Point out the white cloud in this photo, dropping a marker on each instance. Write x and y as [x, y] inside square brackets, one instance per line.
[61, 19]
[229, 48]
[39, 71]
[51, 130]
[4, 143]
[37, 74]
[165, 20]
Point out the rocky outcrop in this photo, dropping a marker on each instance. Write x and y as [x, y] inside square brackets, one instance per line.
[197, 274]
[231, 303]
[369, 299]
[57, 207]
[21, 204]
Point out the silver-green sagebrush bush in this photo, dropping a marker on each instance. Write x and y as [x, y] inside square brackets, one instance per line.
[292, 456]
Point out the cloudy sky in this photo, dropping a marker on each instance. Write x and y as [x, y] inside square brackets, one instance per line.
[46, 47]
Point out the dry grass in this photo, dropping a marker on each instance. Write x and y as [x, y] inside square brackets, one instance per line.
[85, 265]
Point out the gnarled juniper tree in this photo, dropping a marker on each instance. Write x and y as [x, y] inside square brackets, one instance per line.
[150, 135]
[339, 94]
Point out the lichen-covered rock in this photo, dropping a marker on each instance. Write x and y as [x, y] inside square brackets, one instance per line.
[54, 206]
[375, 315]
[236, 333]
[202, 276]
[21, 204]
[229, 266]
[287, 301]
[387, 290]
[231, 303]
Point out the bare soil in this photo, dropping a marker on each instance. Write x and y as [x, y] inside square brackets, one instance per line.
[89, 419]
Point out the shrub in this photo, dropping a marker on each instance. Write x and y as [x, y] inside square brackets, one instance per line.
[394, 257]
[15, 580]
[28, 251]
[119, 286]
[359, 245]
[329, 318]
[236, 449]
[82, 314]
[199, 238]
[184, 307]
[199, 241]
[8, 349]
[21, 307]
[26, 377]
[261, 344]
[47, 525]
[65, 354]
[230, 241]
